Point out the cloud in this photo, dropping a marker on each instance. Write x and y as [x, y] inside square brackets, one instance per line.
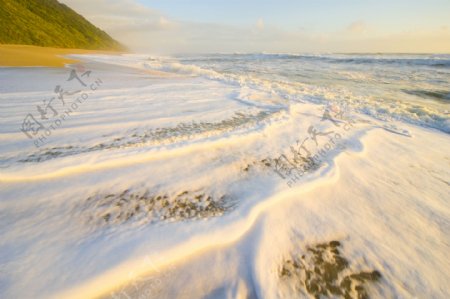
[260, 24]
[118, 15]
[164, 23]
[146, 30]
[112, 8]
[357, 27]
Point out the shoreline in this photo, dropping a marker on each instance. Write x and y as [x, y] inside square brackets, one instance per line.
[35, 56]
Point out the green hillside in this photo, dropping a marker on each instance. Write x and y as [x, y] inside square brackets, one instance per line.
[49, 23]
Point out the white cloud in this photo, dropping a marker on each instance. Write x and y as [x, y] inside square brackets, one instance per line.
[260, 24]
[146, 30]
[164, 23]
[357, 27]
[112, 8]
[118, 15]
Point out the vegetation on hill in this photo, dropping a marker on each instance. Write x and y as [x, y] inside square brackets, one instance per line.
[49, 23]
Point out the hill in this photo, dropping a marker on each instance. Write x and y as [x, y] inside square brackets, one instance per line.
[49, 23]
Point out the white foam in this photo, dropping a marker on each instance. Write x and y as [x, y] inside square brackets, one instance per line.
[382, 193]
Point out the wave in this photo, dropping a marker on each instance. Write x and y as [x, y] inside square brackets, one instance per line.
[440, 61]
[443, 95]
[285, 91]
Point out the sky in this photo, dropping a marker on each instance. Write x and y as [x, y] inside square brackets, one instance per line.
[276, 26]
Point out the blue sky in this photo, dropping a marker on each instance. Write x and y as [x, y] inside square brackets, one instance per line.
[311, 14]
[180, 26]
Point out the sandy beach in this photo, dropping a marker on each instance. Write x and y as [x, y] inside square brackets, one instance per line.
[25, 55]
[181, 177]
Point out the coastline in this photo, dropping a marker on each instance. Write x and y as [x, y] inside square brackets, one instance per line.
[136, 238]
[35, 56]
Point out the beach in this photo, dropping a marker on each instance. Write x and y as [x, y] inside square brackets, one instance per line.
[224, 175]
[35, 56]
